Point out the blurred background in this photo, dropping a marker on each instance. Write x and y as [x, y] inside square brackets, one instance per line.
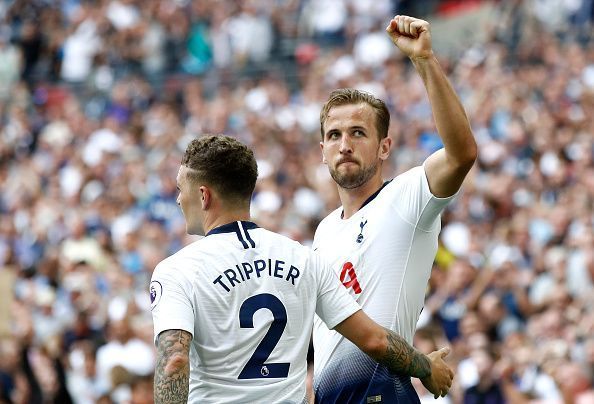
[98, 99]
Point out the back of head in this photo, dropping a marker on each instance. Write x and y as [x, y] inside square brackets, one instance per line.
[225, 164]
[351, 96]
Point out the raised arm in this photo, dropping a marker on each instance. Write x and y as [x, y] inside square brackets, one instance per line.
[446, 168]
[391, 350]
[172, 372]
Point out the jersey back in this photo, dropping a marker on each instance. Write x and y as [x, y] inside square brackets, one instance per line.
[248, 297]
[383, 255]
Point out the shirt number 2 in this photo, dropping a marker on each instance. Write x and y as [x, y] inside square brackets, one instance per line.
[256, 368]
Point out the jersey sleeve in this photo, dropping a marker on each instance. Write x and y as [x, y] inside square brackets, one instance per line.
[334, 304]
[171, 303]
[414, 201]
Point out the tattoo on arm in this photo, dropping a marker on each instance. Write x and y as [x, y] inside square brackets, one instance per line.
[400, 357]
[172, 372]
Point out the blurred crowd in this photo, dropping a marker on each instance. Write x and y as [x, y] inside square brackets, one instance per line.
[99, 98]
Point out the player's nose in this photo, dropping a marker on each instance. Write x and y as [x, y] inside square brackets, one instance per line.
[345, 145]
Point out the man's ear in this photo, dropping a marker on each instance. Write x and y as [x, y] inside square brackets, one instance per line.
[384, 149]
[205, 197]
[323, 157]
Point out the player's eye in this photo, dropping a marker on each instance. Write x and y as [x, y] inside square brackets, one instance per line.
[358, 132]
[333, 135]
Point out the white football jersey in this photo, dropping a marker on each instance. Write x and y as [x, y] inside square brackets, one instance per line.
[248, 297]
[383, 255]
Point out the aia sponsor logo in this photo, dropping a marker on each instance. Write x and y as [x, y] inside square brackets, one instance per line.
[348, 277]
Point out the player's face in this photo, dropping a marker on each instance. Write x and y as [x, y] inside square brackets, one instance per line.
[188, 199]
[351, 146]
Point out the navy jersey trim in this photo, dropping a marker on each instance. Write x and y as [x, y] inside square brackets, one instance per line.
[233, 227]
[371, 198]
[356, 378]
[247, 235]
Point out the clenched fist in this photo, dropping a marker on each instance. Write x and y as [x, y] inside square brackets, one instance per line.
[411, 35]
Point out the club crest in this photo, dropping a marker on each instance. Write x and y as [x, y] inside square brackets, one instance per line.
[362, 225]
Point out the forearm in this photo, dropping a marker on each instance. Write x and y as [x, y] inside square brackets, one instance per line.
[400, 357]
[511, 394]
[384, 346]
[172, 372]
[449, 115]
[171, 387]
[478, 288]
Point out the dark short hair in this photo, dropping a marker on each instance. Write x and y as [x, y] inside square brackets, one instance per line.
[351, 96]
[225, 164]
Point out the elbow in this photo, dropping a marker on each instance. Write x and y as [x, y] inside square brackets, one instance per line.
[376, 345]
[472, 153]
[466, 158]
[472, 150]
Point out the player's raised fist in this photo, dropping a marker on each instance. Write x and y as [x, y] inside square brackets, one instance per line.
[411, 35]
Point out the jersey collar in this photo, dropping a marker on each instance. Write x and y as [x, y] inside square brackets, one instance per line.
[233, 227]
[371, 198]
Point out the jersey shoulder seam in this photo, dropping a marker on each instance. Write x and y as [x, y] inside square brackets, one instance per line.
[416, 224]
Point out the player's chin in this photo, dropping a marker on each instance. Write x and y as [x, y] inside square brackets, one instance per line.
[349, 181]
[347, 170]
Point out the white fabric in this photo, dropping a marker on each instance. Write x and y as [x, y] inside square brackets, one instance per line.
[122, 16]
[79, 50]
[191, 291]
[392, 261]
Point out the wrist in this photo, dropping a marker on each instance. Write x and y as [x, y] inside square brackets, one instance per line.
[426, 66]
[427, 369]
[423, 58]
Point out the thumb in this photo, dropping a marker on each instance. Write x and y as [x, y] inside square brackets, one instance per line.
[445, 351]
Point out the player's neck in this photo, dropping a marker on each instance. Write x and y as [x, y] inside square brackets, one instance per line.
[353, 199]
[224, 218]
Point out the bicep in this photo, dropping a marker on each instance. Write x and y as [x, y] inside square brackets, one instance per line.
[334, 303]
[443, 175]
[172, 304]
[173, 350]
[173, 343]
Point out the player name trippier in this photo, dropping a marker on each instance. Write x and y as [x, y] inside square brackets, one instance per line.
[261, 267]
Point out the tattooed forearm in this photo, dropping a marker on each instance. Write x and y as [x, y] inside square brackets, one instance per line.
[402, 358]
[172, 372]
